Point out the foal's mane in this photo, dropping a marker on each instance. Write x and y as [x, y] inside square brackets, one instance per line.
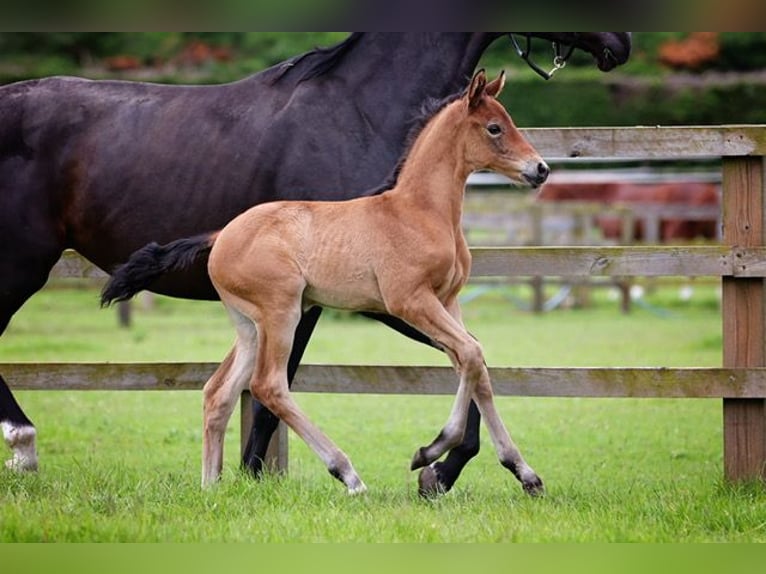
[316, 62]
[430, 108]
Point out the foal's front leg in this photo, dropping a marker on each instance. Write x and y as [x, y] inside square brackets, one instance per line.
[508, 453]
[439, 477]
[426, 313]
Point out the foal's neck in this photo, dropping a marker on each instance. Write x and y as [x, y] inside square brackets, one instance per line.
[434, 174]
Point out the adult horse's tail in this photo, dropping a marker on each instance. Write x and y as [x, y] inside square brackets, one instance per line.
[152, 261]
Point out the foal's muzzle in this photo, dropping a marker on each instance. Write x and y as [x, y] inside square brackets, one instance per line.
[536, 173]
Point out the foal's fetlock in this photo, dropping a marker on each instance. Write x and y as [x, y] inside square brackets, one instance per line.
[420, 459]
[530, 481]
[350, 478]
[425, 455]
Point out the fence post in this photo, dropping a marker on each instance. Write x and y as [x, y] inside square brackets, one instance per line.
[744, 319]
[276, 454]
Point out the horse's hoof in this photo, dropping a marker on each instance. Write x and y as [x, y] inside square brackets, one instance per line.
[429, 484]
[21, 464]
[534, 486]
[22, 441]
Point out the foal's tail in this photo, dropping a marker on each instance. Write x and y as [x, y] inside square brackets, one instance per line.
[152, 261]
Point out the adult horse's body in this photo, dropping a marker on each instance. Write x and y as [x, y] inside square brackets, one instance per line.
[106, 167]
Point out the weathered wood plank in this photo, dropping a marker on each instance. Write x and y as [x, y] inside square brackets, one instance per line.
[580, 261]
[376, 379]
[108, 376]
[660, 142]
[638, 261]
[539, 382]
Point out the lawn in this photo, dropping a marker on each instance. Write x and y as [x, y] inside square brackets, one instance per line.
[124, 466]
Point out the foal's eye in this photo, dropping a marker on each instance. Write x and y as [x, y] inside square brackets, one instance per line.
[494, 129]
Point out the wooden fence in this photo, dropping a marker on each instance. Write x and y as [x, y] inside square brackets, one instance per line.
[740, 262]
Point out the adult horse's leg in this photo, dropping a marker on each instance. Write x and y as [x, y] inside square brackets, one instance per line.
[264, 421]
[31, 241]
[20, 277]
[440, 476]
[18, 431]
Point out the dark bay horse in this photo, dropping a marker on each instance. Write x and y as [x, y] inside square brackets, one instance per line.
[104, 167]
[276, 260]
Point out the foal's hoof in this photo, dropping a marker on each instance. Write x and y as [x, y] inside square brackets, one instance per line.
[420, 459]
[533, 486]
[361, 488]
[429, 483]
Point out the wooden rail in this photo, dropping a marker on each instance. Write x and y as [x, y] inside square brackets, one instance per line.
[740, 263]
[607, 382]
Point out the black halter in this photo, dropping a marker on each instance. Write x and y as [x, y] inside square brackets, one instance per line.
[561, 54]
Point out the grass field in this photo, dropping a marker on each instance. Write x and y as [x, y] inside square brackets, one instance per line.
[124, 466]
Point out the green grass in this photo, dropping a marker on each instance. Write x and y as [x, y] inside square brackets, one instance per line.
[124, 466]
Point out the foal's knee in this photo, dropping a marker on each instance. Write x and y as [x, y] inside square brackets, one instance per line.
[271, 395]
[471, 359]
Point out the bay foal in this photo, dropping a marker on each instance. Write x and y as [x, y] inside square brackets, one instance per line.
[401, 252]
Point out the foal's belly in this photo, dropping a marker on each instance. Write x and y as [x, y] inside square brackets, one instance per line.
[349, 287]
[357, 299]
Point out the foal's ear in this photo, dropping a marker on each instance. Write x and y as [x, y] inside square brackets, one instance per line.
[494, 88]
[476, 89]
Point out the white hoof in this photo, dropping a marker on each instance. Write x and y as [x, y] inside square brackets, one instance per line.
[21, 440]
[358, 489]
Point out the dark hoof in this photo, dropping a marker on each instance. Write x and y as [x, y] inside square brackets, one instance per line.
[534, 487]
[419, 460]
[429, 484]
[254, 468]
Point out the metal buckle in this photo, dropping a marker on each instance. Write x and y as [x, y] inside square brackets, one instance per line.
[559, 58]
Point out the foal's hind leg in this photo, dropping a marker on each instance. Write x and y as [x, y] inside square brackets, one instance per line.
[269, 385]
[264, 421]
[221, 393]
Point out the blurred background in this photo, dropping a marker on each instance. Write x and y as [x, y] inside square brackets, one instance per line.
[671, 78]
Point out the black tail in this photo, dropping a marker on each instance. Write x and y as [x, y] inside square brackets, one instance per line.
[152, 261]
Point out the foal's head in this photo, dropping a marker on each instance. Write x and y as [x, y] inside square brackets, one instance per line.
[492, 141]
